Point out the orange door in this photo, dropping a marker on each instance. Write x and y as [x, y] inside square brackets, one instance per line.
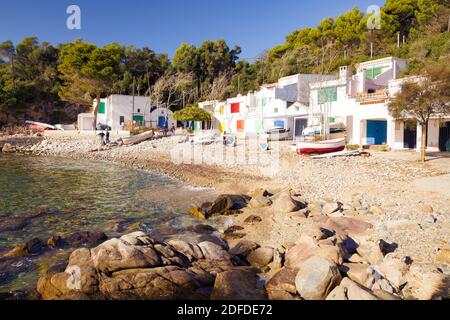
[240, 125]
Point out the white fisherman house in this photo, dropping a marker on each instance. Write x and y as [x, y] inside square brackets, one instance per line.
[278, 105]
[357, 103]
[120, 111]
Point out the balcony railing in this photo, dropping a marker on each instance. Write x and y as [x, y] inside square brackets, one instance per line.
[378, 96]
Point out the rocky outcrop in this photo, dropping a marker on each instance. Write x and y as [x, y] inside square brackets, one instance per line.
[284, 203]
[136, 266]
[238, 285]
[224, 205]
[8, 148]
[316, 278]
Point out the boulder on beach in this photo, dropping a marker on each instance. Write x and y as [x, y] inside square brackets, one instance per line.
[282, 285]
[8, 148]
[225, 204]
[86, 238]
[136, 266]
[238, 285]
[261, 257]
[284, 203]
[260, 202]
[31, 247]
[244, 248]
[316, 278]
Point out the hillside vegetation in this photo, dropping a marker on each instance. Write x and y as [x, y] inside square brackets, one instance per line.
[52, 83]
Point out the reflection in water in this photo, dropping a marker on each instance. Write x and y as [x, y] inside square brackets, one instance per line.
[64, 196]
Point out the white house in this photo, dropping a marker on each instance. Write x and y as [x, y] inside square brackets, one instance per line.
[280, 104]
[360, 102]
[356, 102]
[118, 111]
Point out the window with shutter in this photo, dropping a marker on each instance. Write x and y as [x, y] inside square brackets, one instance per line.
[235, 107]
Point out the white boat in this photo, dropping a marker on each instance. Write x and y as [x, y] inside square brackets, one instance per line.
[321, 147]
[275, 134]
[40, 125]
[334, 127]
[204, 139]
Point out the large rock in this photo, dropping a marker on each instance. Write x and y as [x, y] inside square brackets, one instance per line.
[316, 278]
[227, 204]
[330, 207]
[357, 292]
[162, 283]
[260, 202]
[339, 293]
[304, 250]
[283, 203]
[213, 251]
[238, 285]
[346, 226]
[139, 267]
[394, 271]
[282, 285]
[244, 248]
[8, 148]
[31, 247]
[197, 213]
[261, 257]
[115, 254]
[259, 192]
[252, 219]
[426, 282]
[88, 239]
[357, 272]
[191, 251]
[371, 251]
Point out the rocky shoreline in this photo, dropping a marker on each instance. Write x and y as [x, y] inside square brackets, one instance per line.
[335, 259]
[284, 241]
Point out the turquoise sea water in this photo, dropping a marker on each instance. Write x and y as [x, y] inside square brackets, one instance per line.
[76, 195]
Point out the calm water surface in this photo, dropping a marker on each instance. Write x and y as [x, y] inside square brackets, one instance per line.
[78, 195]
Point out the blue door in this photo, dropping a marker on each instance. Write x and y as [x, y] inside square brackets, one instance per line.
[161, 121]
[376, 132]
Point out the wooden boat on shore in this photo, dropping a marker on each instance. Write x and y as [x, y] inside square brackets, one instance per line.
[275, 134]
[138, 138]
[321, 147]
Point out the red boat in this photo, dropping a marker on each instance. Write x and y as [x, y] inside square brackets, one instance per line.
[321, 147]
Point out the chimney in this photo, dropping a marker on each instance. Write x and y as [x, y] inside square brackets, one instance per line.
[344, 72]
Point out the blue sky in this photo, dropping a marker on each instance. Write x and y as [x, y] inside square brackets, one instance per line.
[255, 25]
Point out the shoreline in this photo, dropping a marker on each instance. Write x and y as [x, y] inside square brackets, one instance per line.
[398, 216]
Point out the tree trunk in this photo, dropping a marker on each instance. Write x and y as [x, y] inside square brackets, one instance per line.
[424, 142]
[96, 108]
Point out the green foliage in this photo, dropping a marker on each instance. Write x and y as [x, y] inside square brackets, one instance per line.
[37, 78]
[191, 113]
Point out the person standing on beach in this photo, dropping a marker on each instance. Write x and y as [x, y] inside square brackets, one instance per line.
[224, 138]
[102, 138]
[107, 136]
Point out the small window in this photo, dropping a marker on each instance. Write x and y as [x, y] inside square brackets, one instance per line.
[275, 110]
[139, 110]
[122, 120]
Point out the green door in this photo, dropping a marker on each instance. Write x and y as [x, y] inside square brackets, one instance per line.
[139, 120]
